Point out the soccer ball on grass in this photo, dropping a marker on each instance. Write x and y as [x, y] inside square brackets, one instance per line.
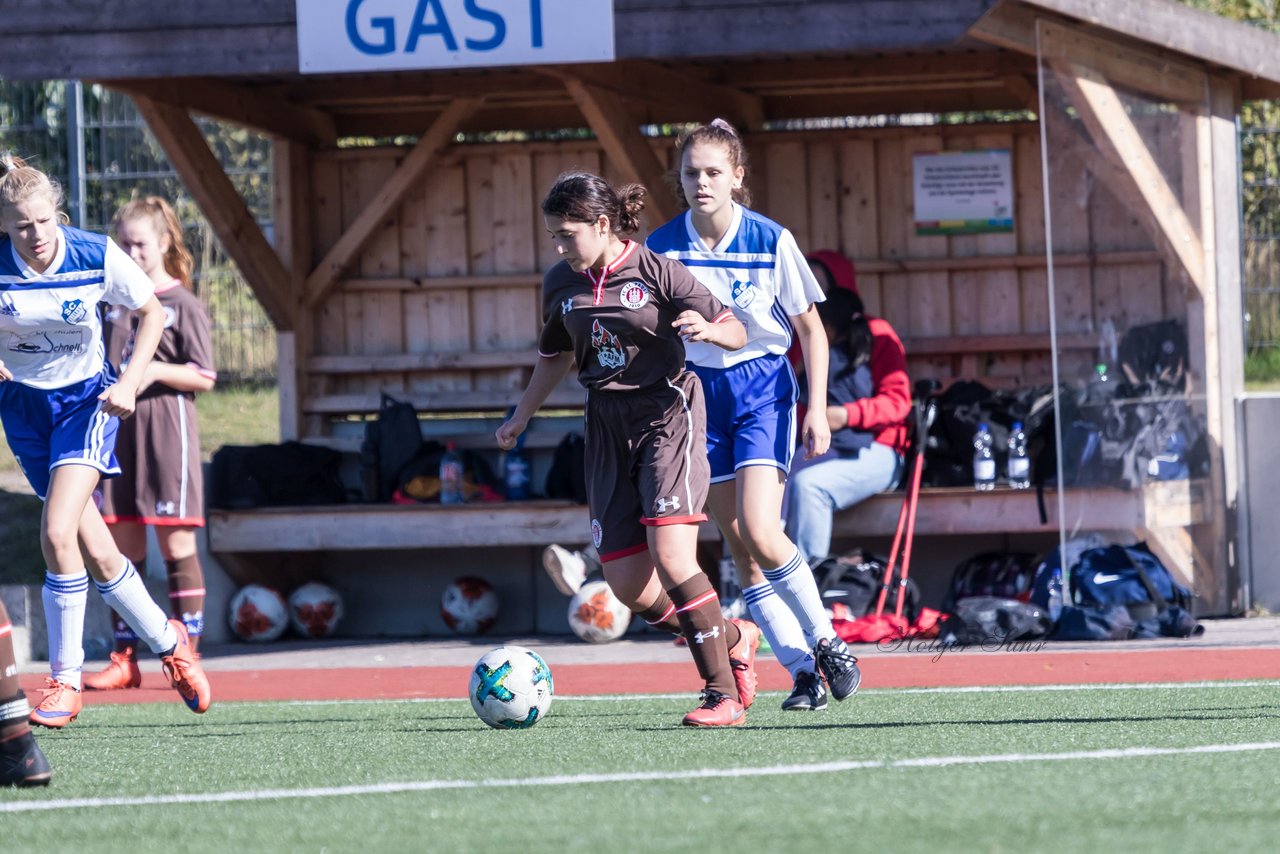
[511, 688]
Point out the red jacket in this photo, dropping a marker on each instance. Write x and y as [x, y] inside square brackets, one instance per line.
[884, 414]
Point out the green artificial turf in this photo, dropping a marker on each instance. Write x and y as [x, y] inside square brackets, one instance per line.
[890, 770]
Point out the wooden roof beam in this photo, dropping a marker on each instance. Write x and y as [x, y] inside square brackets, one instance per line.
[649, 82]
[240, 105]
[223, 205]
[1132, 167]
[1128, 63]
[623, 143]
[405, 178]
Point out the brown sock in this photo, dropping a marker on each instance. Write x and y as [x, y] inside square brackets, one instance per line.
[186, 594]
[13, 702]
[124, 639]
[698, 610]
[662, 615]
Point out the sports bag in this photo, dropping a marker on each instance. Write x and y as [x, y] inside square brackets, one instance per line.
[853, 580]
[1127, 575]
[1007, 575]
[390, 442]
[567, 477]
[992, 619]
[288, 474]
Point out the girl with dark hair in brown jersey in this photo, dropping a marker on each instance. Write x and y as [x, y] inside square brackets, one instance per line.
[623, 315]
[159, 448]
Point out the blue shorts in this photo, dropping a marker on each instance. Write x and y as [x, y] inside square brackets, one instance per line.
[56, 427]
[751, 415]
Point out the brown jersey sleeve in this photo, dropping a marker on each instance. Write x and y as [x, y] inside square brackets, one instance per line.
[684, 292]
[554, 337]
[195, 342]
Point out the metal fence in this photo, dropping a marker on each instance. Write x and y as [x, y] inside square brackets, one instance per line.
[95, 143]
[1260, 189]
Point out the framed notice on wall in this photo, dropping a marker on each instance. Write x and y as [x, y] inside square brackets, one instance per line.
[963, 192]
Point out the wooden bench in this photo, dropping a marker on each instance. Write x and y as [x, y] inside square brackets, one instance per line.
[1150, 513]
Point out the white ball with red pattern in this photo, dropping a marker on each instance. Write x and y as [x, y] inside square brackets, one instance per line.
[315, 609]
[596, 615]
[258, 614]
[469, 606]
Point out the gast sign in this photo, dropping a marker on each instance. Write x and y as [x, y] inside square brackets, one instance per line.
[385, 35]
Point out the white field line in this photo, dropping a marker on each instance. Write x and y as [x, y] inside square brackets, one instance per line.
[869, 692]
[626, 777]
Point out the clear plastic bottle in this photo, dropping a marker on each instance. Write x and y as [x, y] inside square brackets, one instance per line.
[1100, 387]
[1055, 594]
[1019, 465]
[515, 472]
[984, 459]
[451, 475]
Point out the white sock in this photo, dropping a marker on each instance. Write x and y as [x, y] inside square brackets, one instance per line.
[780, 627]
[128, 595]
[64, 598]
[794, 582]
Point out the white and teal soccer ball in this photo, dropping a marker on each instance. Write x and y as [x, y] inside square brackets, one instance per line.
[511, 688]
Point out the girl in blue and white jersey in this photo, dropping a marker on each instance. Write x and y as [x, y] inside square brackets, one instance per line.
[753, 265]
[61, 404]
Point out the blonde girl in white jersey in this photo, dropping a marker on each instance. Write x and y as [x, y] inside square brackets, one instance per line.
[753, 265]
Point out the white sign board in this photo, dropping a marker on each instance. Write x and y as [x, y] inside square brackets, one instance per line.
[963, 192]
[388, 35]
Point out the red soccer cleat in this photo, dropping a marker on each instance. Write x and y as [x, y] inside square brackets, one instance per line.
[182, 666]
[122, 672]
[716, 710]
[743, 659]
[59, 705]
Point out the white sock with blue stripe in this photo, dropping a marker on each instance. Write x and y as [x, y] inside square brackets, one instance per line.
[64, 598]
[794, 582]
[780, 626]
[128, 595]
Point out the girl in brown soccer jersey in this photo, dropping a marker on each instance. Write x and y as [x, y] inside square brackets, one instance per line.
[623, 314]
[159, 448]
[21, 761]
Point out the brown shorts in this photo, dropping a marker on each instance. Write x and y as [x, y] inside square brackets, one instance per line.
[161, 482]
[646, 459]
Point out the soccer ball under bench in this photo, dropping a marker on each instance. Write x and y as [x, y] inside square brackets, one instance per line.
[511, 688]
[258, 614]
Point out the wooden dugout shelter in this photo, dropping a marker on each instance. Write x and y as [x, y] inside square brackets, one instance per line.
[415, 268]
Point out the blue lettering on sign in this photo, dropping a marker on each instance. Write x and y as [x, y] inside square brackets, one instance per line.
[430, 19]
[491, 17]
[387, 25]
[535, 21]
[420, 29]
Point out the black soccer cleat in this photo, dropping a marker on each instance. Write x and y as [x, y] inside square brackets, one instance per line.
[809, 695]
[839, 666]
[22, 763]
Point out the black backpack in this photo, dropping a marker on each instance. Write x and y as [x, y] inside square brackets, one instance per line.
[567, 477]
[390, 442]
[854, 579]
[289, 474]
[1004, 575]
[993, 619]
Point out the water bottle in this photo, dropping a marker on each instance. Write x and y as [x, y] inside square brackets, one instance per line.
[984, 460]
[1099, 384]
[1019, 466]
[1055, 594]
[451, 475]
[515, 472]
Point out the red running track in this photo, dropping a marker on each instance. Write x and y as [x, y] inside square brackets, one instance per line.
[922, 669]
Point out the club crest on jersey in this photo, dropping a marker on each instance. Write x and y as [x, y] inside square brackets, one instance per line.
[744, 293]
[608, 348]
[566, 306]
[634, 295]
[7, 308]
[597, 533]
[73, 311]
